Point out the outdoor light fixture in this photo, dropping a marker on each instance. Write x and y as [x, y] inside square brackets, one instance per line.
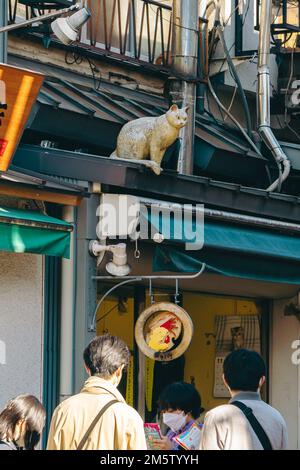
[118, 267]
[66, 29]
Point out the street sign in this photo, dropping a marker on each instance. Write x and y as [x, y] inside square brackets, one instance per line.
[19, 89]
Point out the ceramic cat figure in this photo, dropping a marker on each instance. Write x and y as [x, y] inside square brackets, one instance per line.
[146, 140]
[237, 337]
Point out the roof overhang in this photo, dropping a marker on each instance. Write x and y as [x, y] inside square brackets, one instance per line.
[130, 178]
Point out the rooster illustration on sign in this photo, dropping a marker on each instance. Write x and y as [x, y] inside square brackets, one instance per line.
[162, 330]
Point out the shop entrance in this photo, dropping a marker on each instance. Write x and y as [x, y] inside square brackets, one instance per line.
[221, 323]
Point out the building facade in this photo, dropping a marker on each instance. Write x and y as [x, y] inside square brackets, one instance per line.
[122, 69]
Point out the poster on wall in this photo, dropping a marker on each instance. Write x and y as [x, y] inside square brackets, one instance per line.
[232, 333]
[19, 89]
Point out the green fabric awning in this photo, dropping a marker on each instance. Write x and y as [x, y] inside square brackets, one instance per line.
[232, 250]
[32, 232]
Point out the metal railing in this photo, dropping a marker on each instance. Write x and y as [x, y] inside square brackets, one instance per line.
[140, 29]
[136, 28]
[130, 29]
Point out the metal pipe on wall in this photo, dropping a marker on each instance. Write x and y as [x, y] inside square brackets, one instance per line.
[263, 96]
[3, 36]
[185, 58]
[230, 217]
[67, 315]
[201, 87]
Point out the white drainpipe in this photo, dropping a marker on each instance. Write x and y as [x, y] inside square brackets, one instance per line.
[263, 96]
[67, 315]
[185, 63]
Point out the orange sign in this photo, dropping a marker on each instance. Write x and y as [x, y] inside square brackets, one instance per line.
[19, 89]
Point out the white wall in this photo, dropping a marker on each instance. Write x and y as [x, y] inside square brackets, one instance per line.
[21, 325]
[247, 70]
[285, 389]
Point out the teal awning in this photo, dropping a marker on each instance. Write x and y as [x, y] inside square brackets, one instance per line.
[233, 250]
[32, 232]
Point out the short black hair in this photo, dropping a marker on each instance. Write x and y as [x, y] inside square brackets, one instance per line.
[181, 396]
[243, 370]
[105, 354]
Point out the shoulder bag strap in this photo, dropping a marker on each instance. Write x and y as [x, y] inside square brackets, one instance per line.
[93, 424]
[257, 428]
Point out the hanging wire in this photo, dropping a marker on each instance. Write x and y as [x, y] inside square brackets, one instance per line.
[76, 57]
[214, 95]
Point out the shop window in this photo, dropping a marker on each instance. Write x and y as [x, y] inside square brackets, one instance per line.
[242, 323]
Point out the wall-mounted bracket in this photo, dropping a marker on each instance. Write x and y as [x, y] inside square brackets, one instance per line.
[130, 279]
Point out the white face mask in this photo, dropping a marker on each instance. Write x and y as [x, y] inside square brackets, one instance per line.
[174, 421]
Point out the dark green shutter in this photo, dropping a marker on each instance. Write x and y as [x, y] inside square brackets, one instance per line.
[51, 338]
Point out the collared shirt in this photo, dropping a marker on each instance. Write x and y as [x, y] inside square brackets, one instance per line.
[227, 428]
[7, 445]
[119, 428]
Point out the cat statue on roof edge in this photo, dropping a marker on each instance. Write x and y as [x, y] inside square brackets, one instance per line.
[146, 140]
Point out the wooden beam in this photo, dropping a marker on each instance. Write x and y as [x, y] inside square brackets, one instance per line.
[29, 192]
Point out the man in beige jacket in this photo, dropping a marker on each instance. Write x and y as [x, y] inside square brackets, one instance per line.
[120, 427]
[227, 427]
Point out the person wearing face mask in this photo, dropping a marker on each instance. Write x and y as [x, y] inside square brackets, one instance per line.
[21, 423]
[180, 407]
[98, 417]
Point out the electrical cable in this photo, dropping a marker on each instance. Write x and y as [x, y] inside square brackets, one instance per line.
[237, 81]
[213, 93]
[231, 65]
[77, 58]
[246, 13]
[231, 102]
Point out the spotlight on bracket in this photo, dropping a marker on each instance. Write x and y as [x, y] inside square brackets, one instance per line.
[118, 267]
[67, 29]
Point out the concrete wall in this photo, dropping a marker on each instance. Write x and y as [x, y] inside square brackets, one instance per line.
[285, 385]
[247, 69]
[21, 325]
[33, 51]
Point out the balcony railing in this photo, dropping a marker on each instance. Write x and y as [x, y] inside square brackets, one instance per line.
[136, 28]
[140, 29]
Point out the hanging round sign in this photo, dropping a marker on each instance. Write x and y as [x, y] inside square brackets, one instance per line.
[164, 331]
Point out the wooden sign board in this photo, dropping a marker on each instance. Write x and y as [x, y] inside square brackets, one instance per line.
[19, 89]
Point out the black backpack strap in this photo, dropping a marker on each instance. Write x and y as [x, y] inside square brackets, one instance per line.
[257, 428]
[93, 424]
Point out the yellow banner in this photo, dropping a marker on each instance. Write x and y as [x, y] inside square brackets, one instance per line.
[149, 372]
[130, 385]
[18, 92]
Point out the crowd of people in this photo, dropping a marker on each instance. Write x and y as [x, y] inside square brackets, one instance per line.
[98, 418]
